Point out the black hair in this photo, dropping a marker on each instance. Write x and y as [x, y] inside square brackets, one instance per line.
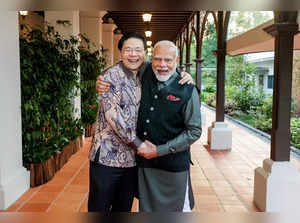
[131, 35]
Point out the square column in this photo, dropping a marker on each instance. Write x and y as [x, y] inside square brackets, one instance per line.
[14, 178]
[117, 37]
[73, 16]
[276, 187]
[91, 26]
[108, 42]
[219, 136]
[277, 183]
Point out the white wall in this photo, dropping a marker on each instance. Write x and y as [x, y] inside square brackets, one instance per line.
[14, 178]
[91, 25]
[264, 60]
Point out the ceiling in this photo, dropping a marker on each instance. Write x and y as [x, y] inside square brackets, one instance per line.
[165, 25]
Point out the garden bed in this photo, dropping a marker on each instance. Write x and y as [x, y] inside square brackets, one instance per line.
[89, 131]
[41, 173]
[295, 131]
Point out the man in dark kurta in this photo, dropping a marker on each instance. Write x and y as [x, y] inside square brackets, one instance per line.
[169, 121]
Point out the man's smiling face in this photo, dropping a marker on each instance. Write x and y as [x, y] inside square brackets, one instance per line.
[133, 54]
[164, 62]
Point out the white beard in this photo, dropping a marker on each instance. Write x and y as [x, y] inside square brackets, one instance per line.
[164, 78]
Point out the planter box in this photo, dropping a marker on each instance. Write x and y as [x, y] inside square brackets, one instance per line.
[81, 138]
[41, 173]
[89, 131]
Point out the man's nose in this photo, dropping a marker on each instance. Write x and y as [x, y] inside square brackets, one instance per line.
[163, 63]
[133, 52]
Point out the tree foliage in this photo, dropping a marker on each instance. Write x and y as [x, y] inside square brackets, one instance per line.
[241, 22]
[49, 81]
[92, 64]
[209, 45]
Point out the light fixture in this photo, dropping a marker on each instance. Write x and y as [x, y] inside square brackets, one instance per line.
[148, 33]
[149, 54]
[147, 17]
[23, 13]
[149, 43]
[149, 49]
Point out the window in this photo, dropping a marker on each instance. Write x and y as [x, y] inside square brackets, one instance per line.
[261, 80]
[270, 82]
[262, 72]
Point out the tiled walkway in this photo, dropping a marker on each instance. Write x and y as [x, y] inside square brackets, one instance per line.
[222, 180]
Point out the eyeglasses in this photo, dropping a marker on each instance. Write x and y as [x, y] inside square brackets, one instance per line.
[131, 50]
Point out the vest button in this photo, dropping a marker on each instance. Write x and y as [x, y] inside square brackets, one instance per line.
[147, 121]
[145, 133]
[155, 96]
[151, 109]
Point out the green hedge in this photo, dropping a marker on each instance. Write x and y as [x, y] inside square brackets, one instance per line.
[49, 76]
[92, 63]
[295, 132]
[259, 108]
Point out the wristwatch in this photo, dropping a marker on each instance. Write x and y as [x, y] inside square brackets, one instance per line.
[172, 150]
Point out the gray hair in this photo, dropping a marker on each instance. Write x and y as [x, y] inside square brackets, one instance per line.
[166, 43]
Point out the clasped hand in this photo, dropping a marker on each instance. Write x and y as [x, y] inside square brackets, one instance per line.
[147, 150]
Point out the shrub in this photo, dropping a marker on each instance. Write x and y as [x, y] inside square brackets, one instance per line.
[246, 99]
[295, 132]
[262, 124]
[230, 107]
[49, 77]
[210, 89]
[91, 65]
[265, 110]
[211, 100]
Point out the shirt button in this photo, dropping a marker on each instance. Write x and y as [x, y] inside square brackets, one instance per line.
[155, 96]
[145, 133]
[147, 121]
[151, 109]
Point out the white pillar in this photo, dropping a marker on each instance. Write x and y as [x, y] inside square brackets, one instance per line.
[14, 178]
[219, 136]
[66, 31]
[91, 26]
[276, 187]
[73, 16]
[108, 42]
[117, 37]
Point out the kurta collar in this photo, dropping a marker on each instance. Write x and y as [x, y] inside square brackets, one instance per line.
[162, 84]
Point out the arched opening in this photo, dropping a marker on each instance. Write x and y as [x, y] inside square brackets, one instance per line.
[209, 72]
[193, 55]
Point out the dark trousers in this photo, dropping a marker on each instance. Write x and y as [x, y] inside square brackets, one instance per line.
[111, 188]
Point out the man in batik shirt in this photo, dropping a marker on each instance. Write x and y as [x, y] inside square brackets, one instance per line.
[113, 172]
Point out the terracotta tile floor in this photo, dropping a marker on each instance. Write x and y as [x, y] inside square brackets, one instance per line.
[222, 180]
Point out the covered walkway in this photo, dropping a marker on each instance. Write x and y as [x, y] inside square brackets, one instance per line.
[222, 180]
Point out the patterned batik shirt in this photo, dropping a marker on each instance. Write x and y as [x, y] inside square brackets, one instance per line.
[115, 131]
